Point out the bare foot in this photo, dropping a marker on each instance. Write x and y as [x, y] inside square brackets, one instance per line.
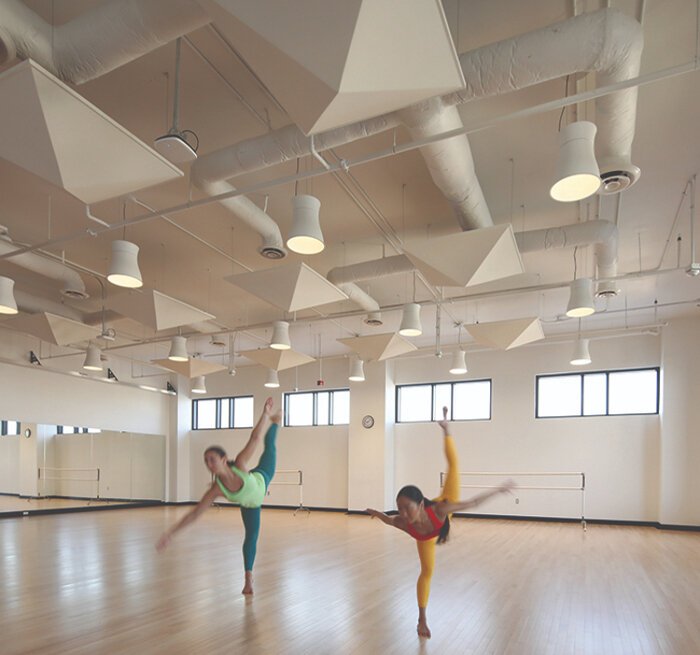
[443, 424]
[423, 629]
[268, 405]
[248, 587]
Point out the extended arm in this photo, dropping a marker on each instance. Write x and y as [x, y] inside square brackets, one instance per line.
[191, 516]
[393, 521]
[442, 509]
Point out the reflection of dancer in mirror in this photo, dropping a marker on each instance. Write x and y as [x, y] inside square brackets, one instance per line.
[240, 485]
[428, 521]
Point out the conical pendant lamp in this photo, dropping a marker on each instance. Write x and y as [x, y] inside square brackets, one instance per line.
[305, 237]
[8, 305]
[410, 321]
[124, 267]
[578, 175]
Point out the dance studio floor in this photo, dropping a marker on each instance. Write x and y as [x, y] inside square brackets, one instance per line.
[14, 505]
[328, 583]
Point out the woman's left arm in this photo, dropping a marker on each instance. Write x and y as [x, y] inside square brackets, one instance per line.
[445, 507]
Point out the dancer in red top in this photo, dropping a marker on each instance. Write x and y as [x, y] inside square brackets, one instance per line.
[428, 521]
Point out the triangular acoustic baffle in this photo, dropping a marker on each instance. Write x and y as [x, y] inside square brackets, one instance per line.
[53, 132]
[278, 360]
[51, 328]
[466, 259]
[155, 309]
[290, 287]
[507, 334]
[191, 368]
[332, 63]
[378, 347]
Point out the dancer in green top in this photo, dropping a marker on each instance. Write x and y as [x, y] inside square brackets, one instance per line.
[234, 481]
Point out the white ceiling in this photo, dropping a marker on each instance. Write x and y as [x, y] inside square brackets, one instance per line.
[514, 161]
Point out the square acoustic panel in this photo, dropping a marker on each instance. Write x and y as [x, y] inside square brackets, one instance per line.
[505, 335]
[277, 360]
[52, 328]
[290, 287]
[51, 131]
[378, 347]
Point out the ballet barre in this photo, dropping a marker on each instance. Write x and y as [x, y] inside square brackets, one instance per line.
[581, 484]
[43, 476]
[299, 483]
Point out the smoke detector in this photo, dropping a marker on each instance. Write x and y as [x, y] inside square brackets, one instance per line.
[108, 334]
[614, 181]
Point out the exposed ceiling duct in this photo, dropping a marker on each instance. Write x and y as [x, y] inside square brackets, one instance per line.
[98, 41]
[73, 285]
[599, 232]
[34, 305]
[607, 42]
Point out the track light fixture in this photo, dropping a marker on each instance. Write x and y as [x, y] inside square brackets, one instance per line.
[305, 237]
[124, 267]
[8, 305]
[578, 175]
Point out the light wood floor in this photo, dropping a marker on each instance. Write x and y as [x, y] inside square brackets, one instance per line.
[330, 583]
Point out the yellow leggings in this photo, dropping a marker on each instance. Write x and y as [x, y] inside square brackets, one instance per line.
[426, 549]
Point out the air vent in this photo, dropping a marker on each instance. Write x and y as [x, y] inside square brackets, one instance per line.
[270, 252]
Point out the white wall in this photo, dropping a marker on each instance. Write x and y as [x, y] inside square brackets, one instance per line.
[320, 452]
[618, 454]
[9, 471]
[680, 418]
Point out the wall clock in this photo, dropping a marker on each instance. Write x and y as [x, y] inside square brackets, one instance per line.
[367, 421]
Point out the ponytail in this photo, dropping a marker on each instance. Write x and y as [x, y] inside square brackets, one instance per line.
[416, 495]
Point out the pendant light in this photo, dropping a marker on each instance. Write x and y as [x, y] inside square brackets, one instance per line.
[124, 267]
[581, 355]
[8, 305]
[92, 359]
[357, 370]
[581, 298]
[280, 336]
[178, 350]
[459, 364]
[272, 381]
[410, 321]
[198, 385]
[578, 175]
[305, 237]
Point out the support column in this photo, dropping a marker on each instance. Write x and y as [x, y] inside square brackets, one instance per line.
[178, 445]
[371, 450]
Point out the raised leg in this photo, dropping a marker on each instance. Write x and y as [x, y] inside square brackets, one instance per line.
[268, 459]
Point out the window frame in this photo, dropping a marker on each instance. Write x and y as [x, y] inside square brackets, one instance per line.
[606, 372]
[432, 386]
[4, 424]
[314, 409]
[217, 412]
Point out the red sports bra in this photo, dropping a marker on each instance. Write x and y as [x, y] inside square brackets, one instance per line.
[437, 524]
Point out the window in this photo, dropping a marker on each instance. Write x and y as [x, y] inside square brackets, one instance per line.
[222, 413]
[317, 408]
[604, 393]
[70, 429]
[465, 401]
[10, 428]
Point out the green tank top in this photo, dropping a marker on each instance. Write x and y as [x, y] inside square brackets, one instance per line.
[251, 494]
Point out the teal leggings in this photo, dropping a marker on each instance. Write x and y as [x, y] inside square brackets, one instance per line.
[251, 515]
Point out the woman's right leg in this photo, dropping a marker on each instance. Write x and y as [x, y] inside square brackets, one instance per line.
[268, 459]
[426, 553]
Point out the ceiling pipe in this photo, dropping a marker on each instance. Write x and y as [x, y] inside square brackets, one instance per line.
[97, 41]
[606, 41]
[31, 304]
[599, 232]
[73, 285]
